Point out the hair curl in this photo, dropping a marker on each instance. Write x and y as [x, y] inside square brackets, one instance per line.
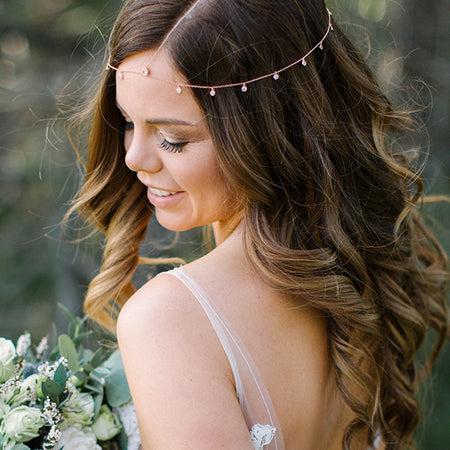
[331, 209]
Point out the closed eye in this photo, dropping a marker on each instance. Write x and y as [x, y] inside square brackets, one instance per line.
[174, 147]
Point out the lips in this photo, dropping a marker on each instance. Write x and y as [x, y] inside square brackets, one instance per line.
[164, 199]
[161, 192]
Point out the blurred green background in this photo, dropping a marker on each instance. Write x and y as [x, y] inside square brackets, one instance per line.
[49, 53]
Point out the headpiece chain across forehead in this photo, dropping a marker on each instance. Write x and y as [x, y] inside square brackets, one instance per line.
[243, 84]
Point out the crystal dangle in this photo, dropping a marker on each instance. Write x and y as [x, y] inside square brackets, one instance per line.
[243, 84]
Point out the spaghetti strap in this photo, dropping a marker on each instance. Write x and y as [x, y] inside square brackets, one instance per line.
[252, 395]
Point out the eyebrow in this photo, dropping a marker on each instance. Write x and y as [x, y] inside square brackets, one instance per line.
[160, 121]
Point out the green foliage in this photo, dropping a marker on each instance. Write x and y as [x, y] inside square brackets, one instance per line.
[116, 386]
[68, 350]
[73, 386]
[20, 447]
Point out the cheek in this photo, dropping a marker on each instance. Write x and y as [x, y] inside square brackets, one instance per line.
[223, 196]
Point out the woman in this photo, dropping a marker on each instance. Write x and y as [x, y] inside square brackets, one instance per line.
[299, 330]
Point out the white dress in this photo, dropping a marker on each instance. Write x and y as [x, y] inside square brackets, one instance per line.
[253, 397]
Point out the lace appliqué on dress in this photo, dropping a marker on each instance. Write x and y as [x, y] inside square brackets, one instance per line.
[262, 435]
[128, 417]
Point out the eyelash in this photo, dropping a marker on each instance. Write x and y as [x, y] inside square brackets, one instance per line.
[173, 147]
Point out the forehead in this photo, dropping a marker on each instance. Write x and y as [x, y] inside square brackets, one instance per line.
[155, 94]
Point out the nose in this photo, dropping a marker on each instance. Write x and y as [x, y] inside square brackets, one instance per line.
[141, 152]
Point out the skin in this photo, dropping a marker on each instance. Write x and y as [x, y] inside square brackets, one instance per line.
[179, 375]
[155, 135]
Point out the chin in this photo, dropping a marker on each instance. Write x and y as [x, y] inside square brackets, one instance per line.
[176, 225]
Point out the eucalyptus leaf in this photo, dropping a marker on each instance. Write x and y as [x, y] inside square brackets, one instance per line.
[86, 354]
[53, 343]
[68, 350]
[60, 376]
[81, 337]
[94, 384]
[123, 438]
[20, 447]
[66, 311]
[101, 372]
[51, 389]
[54, 354]
[116, 386]
[82, 376]
[97, 358]
[87, 367]
[72, 329]
[94, 388]
[98, 400]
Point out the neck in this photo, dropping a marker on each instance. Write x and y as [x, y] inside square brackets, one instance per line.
[224, 228]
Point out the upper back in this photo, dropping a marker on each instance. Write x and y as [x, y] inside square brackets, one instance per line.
[286, 340]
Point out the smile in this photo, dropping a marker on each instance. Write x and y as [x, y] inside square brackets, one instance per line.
[160, 192]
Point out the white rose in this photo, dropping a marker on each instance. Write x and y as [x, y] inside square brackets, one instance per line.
[22, 424]
[106, 425]
[76, 437]
[27, 390]
[79, 408]
[23, 343]
[4, 409]
[30, 382]
[7, 355]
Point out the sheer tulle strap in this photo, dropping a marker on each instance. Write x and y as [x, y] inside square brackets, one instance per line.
[217, 323]
[253, 397]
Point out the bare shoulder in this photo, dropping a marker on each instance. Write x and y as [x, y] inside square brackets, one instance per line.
[161, 300]
[178, 374]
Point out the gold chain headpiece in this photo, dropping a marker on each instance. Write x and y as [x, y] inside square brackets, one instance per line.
[243, 84]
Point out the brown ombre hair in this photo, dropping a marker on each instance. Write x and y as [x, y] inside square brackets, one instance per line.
[331, 210]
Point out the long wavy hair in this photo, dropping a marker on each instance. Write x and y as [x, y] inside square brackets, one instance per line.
[331, 203]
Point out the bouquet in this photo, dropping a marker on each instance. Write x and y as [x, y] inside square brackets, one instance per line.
[65, 397]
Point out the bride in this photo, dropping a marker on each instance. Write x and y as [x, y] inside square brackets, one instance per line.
[299, 330]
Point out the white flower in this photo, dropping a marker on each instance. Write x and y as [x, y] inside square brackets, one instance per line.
[51, 413]
[76, 437]
[7, 355]
[48, 370]
[22, 424]
[79, 408]
[106, 425]
[53, 436]
[23, 343]
[42, 347]
[4, 408]
[30, 382]
[27, 392]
